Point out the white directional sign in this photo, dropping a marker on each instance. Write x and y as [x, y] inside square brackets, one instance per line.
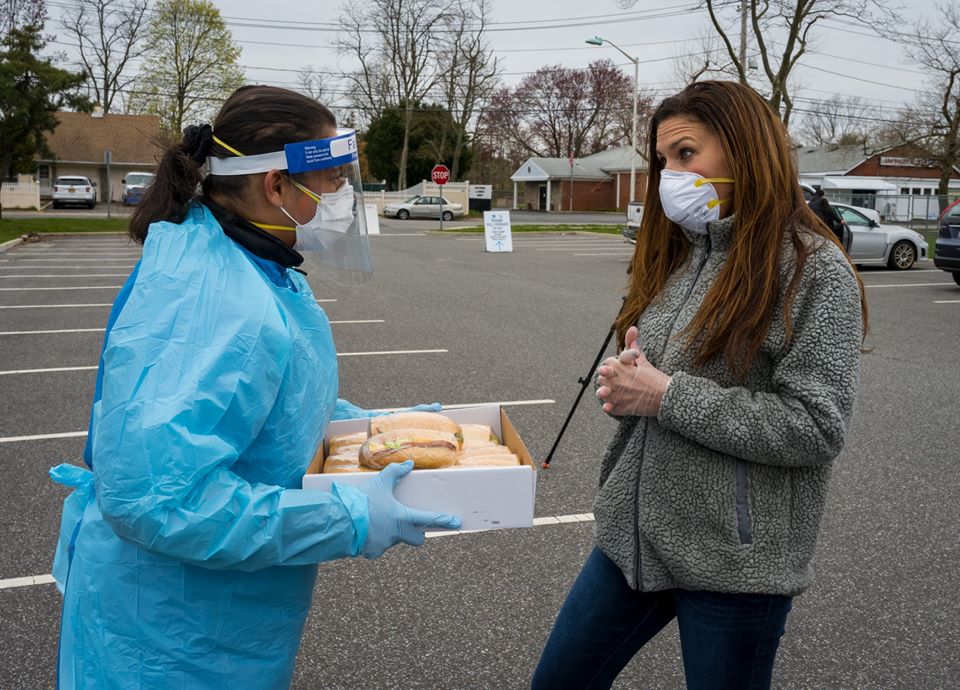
[496, 228]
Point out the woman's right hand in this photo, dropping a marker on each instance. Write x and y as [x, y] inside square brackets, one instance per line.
[392, 522]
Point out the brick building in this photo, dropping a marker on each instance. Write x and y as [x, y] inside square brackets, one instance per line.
[599, 182]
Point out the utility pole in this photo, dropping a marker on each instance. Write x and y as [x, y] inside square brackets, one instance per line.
[743, 40]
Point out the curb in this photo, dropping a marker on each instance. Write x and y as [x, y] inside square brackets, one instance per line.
[10, 245]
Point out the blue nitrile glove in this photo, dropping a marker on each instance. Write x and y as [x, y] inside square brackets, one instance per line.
[347, 410]
[392, 522]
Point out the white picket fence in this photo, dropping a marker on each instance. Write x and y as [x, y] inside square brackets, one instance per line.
[454, 192]
[20, 195]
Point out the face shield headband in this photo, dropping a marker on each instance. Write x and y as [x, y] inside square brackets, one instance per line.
[334, 241]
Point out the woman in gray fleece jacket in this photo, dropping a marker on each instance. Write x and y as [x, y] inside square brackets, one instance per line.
[740, 354]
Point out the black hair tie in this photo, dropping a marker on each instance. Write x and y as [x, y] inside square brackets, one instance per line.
[197, 139]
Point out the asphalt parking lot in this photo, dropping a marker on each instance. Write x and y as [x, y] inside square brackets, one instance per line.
[464, 326]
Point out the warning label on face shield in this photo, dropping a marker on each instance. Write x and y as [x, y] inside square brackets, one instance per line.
[322, 154]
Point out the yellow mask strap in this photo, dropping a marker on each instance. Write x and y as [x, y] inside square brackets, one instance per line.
[305, 190]
[713, 203]
[705, 180]
[227, 146]
[266, 226]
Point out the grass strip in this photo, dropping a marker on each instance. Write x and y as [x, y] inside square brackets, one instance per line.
[12, 228]
[605, 229]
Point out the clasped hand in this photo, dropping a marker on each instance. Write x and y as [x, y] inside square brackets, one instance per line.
[629, 384]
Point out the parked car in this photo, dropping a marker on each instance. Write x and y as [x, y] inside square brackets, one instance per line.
[946, 250]
[875, 243]
[74, 190]
[634, 216]
[134, 185]
[422, 207]
[808, 193]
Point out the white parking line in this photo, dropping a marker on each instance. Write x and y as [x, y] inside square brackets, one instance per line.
[325, 300]
[62, 330]
[78, 434]
[101, 330]
[946, 301]
[53, 370]
[908, 285]
[39, 260]
[42, 437]
[78, 275]
[576, 518]
[628, 255]
[578, 248]
[64, 287]
[51, 306]
[35, 254]
[79, 268]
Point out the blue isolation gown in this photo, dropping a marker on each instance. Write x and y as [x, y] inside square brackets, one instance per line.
[187, 558]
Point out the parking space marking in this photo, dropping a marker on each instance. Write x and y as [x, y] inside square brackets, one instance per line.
[61, 330]
[39, 260]
[32, 254]
[42, 437]
[907, 285]
[319, 301]
[29, 581]
[62, 287]
[78, 275]
[576, 518]
[50, 370]
[54, 370]
[79, 434]
[624, 254]
[52, 306]
[101, 330]
[946, 301]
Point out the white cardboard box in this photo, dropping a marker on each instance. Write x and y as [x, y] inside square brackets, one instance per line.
[484, 498]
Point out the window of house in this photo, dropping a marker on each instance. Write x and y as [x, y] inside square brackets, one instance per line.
[904, 190]
[917, 190]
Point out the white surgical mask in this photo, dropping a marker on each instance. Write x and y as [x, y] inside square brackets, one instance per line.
[332, 220]
[689, 200]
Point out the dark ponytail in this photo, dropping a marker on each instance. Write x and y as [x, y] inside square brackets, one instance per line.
[254, 119]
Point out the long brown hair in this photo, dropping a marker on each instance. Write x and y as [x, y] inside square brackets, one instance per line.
[737, 311]
[254, 119]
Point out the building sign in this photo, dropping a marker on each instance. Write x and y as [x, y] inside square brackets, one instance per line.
[481, 191]
[898, 162]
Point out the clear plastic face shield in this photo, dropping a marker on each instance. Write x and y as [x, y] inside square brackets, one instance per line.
[334, 241]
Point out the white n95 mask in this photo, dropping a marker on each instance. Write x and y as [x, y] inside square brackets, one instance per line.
[335, 214]
[689, 200]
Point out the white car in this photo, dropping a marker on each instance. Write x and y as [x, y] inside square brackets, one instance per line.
[74, 190]
[423, 207]
[875, 243]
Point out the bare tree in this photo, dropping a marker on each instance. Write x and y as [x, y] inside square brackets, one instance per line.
[17, 14]
[470, 72]
[395, 42]
[315, 85]
[936, 116]
[836, 121]
[108, 35]
[781, 31]
[558, 111]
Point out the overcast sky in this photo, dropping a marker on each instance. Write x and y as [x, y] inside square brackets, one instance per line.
[528, 34]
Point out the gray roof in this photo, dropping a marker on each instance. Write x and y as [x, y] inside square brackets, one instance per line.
[830, 159]
[597, 166]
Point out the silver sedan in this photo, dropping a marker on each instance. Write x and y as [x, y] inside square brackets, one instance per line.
[423, 207]
[874, 243]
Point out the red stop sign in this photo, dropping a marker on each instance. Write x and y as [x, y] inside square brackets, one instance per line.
[440, 174]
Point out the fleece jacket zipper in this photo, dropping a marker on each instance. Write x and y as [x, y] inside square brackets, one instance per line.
[646, 420]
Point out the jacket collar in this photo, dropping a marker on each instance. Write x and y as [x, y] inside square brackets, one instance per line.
[250, 237]
[719, 234]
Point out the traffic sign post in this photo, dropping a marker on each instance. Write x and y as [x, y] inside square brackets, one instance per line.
[440, 176]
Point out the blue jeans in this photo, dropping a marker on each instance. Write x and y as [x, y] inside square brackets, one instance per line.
[727, 640]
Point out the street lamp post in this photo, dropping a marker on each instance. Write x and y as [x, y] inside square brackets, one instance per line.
[597, 41]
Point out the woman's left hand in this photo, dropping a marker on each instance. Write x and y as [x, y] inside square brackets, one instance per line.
[629, 384]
